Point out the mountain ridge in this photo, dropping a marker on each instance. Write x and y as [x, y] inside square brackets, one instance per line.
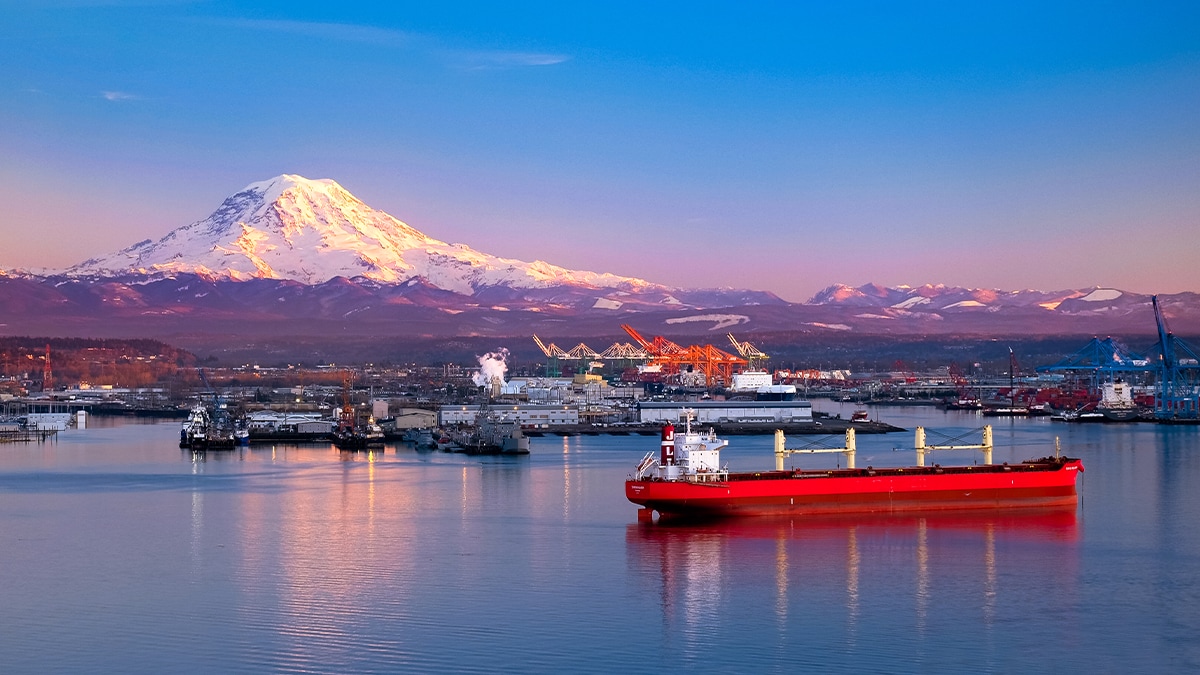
[186, 303]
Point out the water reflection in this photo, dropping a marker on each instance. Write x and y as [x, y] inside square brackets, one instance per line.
[909, 569]
[317, 561]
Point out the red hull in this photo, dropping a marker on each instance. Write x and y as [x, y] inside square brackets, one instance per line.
[1043, 483]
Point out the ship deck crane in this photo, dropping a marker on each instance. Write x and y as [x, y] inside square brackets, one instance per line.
[782, 451]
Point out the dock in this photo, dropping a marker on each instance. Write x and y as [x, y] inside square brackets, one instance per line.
[816, 427]
[26, 435]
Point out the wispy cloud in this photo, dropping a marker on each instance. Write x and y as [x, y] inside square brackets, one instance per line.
[486, 60]
[389, 37]
[346, 32]
[79, 4]
[119, 96]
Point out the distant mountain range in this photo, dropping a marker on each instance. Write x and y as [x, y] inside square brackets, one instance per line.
[305, 257]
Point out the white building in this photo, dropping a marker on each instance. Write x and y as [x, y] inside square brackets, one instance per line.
[269, 421]
[750, 380]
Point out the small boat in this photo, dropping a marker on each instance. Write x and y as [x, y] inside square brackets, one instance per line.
[1085, 413]
[964, 404]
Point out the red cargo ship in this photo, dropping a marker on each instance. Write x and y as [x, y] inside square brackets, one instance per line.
[686, 479]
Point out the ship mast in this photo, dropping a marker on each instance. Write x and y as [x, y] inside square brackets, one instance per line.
[1012, 380]
[347, 421]
[47, 373]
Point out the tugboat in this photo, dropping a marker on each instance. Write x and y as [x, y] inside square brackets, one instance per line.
[686, 479]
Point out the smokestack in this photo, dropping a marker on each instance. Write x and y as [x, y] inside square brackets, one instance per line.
[490, 375]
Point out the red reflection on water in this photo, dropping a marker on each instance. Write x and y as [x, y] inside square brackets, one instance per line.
[919, 566]
[1060, 524]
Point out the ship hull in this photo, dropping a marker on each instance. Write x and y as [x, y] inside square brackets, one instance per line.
[1028, 485]
[1119, 414]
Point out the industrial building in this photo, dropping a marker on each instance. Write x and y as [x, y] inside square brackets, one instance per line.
[527, 415]
[717, 412]
[413, 418]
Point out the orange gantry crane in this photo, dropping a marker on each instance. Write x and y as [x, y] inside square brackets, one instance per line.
[717, 365]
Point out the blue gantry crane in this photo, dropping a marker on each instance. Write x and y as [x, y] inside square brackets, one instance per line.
[1178, 396]
[1101, 361]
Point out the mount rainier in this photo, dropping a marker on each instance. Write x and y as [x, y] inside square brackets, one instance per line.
[311, 231]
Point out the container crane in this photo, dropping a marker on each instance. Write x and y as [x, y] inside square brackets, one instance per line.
[553, 353]
[753, 355]
[1088, 369]
[717, 366]
[659, 347]
[1178, 395]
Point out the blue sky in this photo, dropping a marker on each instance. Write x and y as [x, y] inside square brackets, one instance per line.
[782, 147]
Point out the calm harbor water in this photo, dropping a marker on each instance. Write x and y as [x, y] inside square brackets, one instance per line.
[121, 553]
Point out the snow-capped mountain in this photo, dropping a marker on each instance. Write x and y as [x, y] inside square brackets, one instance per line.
[938, 298]
[311, 231]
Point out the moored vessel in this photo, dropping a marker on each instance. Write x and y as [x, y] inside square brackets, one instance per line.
[207, 429]
[359, 437]
[686, 479]
[491, 436]
[1116, 403]
[421, 438]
